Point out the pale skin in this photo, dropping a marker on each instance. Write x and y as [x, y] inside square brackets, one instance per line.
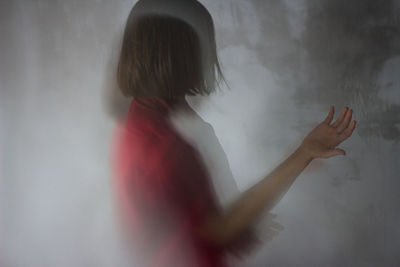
[321, 142]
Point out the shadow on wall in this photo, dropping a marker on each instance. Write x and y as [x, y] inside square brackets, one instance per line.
[348, 44]
[338, 57]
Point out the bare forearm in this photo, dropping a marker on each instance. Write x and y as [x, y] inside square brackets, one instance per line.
[258, 199]
[321, 142]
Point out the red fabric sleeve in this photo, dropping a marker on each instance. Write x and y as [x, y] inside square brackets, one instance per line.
[190, 197]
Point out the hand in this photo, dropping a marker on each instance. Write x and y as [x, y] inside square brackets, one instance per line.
[323, 139]
[244, 244]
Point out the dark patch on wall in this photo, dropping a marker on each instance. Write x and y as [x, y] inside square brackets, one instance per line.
[338, 58]
[277, 50]
[347, 44]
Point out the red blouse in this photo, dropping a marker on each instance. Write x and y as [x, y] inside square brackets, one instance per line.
[164, 190]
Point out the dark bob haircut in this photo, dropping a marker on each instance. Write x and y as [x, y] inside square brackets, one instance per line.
[168, 50]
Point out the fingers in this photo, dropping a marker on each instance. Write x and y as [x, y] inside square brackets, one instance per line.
[330, 115]
[345, 122]
[348, 132]
[340, 118]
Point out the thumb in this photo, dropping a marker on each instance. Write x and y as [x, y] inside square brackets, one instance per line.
[335, 152]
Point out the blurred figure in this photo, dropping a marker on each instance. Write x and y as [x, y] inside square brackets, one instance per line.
[170, 212]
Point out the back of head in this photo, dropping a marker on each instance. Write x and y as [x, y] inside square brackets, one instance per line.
[168, 50]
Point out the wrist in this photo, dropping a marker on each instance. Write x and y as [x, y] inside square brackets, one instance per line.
[304, 153]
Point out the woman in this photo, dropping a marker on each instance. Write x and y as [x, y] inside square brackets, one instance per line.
[170, 211]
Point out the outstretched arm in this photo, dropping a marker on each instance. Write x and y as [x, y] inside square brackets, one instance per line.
[321, 142]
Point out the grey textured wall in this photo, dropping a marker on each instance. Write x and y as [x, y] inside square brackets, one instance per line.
[285, 61]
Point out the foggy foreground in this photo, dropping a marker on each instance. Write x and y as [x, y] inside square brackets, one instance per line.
[285, 62]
